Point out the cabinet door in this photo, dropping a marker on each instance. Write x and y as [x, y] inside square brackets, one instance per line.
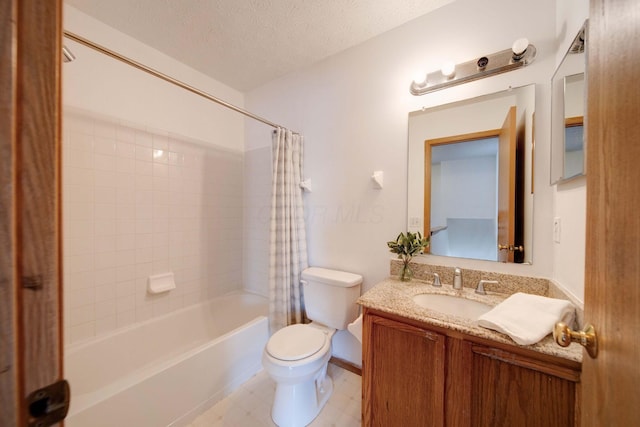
[512, 390]
[403, 375]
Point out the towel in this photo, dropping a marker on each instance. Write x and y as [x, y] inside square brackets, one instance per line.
[528, 318]
[356, 328]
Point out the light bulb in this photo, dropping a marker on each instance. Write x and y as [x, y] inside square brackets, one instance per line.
[420, 80]
[519, 47]
[448, 69]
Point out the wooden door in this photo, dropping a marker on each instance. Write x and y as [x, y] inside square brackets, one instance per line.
[612, 274]
[507, 185]
[30, 267]
[507, 389]
[403, 374]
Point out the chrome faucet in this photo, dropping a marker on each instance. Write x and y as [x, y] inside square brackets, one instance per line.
[457, 278]
[480, 289]
[436, 280]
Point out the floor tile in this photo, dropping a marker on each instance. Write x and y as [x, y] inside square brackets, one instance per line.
[250, 404]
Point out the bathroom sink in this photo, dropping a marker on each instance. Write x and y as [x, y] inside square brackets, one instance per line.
[452, 305]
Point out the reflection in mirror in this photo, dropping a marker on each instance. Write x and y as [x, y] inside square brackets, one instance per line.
[470, 176]
[567, 112]
[573, 125]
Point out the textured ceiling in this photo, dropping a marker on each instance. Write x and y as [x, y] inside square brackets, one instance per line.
[246, 43]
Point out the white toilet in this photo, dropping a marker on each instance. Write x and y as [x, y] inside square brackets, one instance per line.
[296, 356]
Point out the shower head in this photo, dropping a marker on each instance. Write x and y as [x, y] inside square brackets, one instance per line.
[67, 56]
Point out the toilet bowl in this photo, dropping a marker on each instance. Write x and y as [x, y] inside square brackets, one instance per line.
[296, 357]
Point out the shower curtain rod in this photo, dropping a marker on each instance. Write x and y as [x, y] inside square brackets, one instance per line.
[148, 70]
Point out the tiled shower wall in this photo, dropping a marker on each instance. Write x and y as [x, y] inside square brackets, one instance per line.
[138, 202]
[257, 197]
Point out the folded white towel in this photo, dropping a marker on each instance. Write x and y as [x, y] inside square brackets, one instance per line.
[356, 328]
[528, 318]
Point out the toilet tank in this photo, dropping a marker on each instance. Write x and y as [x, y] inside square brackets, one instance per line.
[330, 296]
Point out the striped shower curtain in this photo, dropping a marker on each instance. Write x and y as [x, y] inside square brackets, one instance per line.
[287, 241]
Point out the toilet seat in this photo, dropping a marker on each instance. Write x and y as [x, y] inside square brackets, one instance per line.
[296, 342]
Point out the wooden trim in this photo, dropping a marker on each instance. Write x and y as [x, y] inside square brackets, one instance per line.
[345, 364]
[526, 362]
[454, 139]
[9, 385]
[573, 121]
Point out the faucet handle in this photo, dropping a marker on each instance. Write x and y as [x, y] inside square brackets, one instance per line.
[480, 289]
[436, 280]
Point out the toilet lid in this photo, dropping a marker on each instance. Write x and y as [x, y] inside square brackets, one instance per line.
[295, 342]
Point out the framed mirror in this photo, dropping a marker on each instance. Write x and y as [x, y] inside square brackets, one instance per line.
[470, 175]
[568, 108]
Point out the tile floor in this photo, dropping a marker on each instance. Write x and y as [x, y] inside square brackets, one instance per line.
[250, 405]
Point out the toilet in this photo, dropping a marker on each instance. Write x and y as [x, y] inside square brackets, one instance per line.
[296, 356]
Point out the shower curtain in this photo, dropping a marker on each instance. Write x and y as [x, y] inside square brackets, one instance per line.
[288, 244]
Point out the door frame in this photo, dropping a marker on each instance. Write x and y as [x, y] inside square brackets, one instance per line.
[30, 211]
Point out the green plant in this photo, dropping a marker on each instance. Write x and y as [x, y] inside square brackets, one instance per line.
[406, 246]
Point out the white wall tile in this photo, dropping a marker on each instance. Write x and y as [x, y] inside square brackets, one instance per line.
[125, 150]
[104, 162]
[105, 309]
[104, 243]
[105, 276]
[138, 203]
[104, 145]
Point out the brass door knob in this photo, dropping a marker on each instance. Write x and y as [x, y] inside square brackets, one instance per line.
[587, 338]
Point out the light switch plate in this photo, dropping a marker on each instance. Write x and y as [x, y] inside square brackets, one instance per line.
[556, 229]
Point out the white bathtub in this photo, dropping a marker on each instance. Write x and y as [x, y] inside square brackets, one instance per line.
[166, 371]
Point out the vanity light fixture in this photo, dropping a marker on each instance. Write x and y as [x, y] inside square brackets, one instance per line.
[521, 54]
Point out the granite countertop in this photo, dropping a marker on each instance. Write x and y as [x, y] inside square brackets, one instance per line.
[395, 297]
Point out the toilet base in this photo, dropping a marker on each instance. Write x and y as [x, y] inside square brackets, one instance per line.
[296, 405]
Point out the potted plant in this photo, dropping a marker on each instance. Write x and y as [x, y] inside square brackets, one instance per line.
[406, 246]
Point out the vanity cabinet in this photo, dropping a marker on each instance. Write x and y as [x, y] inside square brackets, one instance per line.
[416, 374]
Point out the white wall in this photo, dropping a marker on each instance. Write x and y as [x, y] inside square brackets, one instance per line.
[97, 83]
[570, 198]
[353, 108]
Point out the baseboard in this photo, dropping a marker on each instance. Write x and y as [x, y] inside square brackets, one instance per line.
[346, 365]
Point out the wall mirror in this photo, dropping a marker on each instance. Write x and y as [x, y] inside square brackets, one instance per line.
[470, 176]
[568, 101]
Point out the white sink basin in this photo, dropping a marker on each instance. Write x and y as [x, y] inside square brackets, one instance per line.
[452, 305]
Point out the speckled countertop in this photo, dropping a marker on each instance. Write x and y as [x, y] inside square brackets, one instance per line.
[395, 297]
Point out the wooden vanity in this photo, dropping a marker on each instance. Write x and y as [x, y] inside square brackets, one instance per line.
[421, 369]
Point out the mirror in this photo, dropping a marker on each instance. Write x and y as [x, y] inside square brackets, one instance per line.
[568, 102]
[470, 176]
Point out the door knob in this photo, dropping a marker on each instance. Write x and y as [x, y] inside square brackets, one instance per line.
[587, 338]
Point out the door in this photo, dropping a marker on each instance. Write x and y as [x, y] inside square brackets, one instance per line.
[403, 374]
[30, 268]
[507, 187]
[612, 274]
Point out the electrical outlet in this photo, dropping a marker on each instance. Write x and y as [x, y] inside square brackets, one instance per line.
[556, 229]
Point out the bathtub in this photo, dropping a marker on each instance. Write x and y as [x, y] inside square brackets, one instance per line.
[166, 371]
